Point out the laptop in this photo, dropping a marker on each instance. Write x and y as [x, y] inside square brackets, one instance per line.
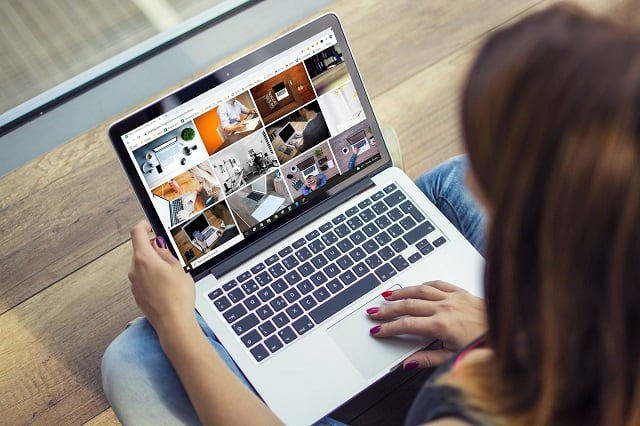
[287, 133]
[168, 210]
[287, 296]
[308, 168]
[258, 189]
[359, 140]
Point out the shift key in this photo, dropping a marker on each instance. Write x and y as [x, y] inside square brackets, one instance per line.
[344, 298]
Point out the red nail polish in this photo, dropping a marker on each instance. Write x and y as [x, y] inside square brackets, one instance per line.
[372, 310]
[410, 366]
[387, 293]
[375, 329]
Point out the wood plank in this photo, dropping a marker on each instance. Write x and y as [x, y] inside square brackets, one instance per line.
[106, 418]
[52, 344]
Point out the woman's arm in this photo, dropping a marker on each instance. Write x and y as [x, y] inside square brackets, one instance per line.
[166, 295]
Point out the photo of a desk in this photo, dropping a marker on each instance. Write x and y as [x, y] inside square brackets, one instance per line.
[314, 161]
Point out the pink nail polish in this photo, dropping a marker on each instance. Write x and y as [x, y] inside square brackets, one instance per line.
[161, 242]
[373, 310]
[375, 329]
[387, 293]
[410, 365]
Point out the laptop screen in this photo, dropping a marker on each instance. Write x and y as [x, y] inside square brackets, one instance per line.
[193, 142]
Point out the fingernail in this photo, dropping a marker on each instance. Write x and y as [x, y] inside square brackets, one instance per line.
[372, 310]
[161, 242]
[410, 365]
[375, 329]
[387, 293]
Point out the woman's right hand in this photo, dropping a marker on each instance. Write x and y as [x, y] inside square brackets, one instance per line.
[435, 309]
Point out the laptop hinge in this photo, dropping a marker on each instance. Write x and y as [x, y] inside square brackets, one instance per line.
[278, 234]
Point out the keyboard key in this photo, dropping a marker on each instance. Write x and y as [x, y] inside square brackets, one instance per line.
[386, 253]
[273, 344]
[364, 203]
[312, 235]
[325, 227]
[370, 229]
[234, 314]
[306, 269]
[292, 277]
[302, 325]
[426, 249]
[259, 352]
[395, 214]
[287, 335]
[318, 278]
[303, 254]
[345, 262]
[439, 241]
[415, 257]
[305, 287]
[385, 272]
[294, 311]
[316, 246]
[342, 231]
[266, 328]
[383, 238]
[380, 207]
[280, 320]
[418, 232]
[355, 223]
[299, 243]
[292, 295]
[340, 218]
[370, 246]
[407, 222]
[321, 294]
[360, 269]
[244, 276]
[399, 245]
[395, 230]
[250, 286]
[357, 254]
[263, 278]
[344, 298]
[410, 208]
[279, 286]
[347, 277]
[285, 251]
[276, 270]
[222, 303]
[265, 294]
[308, 302]
[251, 302]
[367, 215]
[231, 284]
[251, 338]
[215, 294]
[331, 270]
[264, 312]
[353, 210]
[236, 295]
[373, 261]
[383, 222]
[329, 238]
[272, 259]
[278, 303]
[334, 286]
[345, 245]
[290, 262]
[257, 268]
[400, 263]
[390, 188]
[245, 324]
[395, 198]
[357, 237]
[332, 253]
[378, 195]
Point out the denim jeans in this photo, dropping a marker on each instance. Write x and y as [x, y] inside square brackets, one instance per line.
[142, 386]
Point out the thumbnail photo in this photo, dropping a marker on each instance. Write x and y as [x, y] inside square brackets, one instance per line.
[243, 162]
[298, 132]
[204, 232]
[341, 108]
[282, 94]
[352, 147]
[171, 154]
[327, 70]
[228, 123]
[186, 194]
[309, 171]
[255, 203]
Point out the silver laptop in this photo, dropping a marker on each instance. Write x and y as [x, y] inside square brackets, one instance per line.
[287, 297]
[287, 133]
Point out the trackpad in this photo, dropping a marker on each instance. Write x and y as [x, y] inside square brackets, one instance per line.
[371, 355]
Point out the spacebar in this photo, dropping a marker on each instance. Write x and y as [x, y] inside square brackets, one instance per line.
[342, 299]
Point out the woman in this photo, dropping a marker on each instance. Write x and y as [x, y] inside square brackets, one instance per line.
[549, 119]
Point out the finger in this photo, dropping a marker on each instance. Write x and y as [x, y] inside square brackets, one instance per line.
[423, 291]
[427, 359]
[140, 238]
[420, 326]
[165, 254]
[414, 307]
[445, 286]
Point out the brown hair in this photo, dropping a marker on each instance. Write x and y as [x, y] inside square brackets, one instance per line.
[550, 119]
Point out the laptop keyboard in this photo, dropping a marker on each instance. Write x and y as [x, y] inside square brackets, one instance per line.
[176, 206]
[280, 298]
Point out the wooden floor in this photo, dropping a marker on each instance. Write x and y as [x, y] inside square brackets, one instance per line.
[66, 216]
